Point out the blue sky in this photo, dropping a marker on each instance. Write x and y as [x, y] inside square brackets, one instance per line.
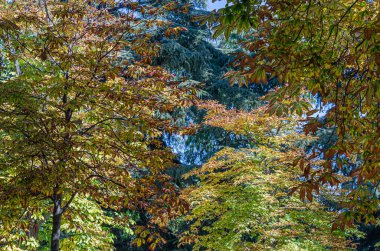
[216, 5]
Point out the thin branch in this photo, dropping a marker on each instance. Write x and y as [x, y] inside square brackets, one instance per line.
[69, 202]
[84, 131]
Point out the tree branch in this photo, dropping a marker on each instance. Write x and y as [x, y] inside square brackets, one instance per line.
[69, 202]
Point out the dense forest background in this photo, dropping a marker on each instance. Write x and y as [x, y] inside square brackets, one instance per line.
[224, 171]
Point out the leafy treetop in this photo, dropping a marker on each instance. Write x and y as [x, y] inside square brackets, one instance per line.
[79, 119]
[242, 201]
[330, 50]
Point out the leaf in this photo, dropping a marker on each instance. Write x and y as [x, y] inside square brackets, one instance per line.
[218, 31]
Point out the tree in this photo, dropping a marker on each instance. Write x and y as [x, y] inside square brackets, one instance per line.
[330, 50]
[79, 119]
[242, 200]
[88, 227]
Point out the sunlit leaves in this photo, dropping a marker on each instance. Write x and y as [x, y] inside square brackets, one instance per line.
[329, 49]
[242, 200]
[80, 120]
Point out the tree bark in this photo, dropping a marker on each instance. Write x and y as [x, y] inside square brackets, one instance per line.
[57, 218]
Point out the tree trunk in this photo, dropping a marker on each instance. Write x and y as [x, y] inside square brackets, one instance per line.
[57, 217]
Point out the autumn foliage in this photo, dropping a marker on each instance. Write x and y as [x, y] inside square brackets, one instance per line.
[79, 119]
[242, 201]
[327, 51]
[90, 98]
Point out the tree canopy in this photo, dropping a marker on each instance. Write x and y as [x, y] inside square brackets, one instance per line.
[326, 52]
[242, 199]
[119, 130]
[77, 119]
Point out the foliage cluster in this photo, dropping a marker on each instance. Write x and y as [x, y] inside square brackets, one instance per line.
[243, 202]
[77, 120]
[91, 92]
[329, 49]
